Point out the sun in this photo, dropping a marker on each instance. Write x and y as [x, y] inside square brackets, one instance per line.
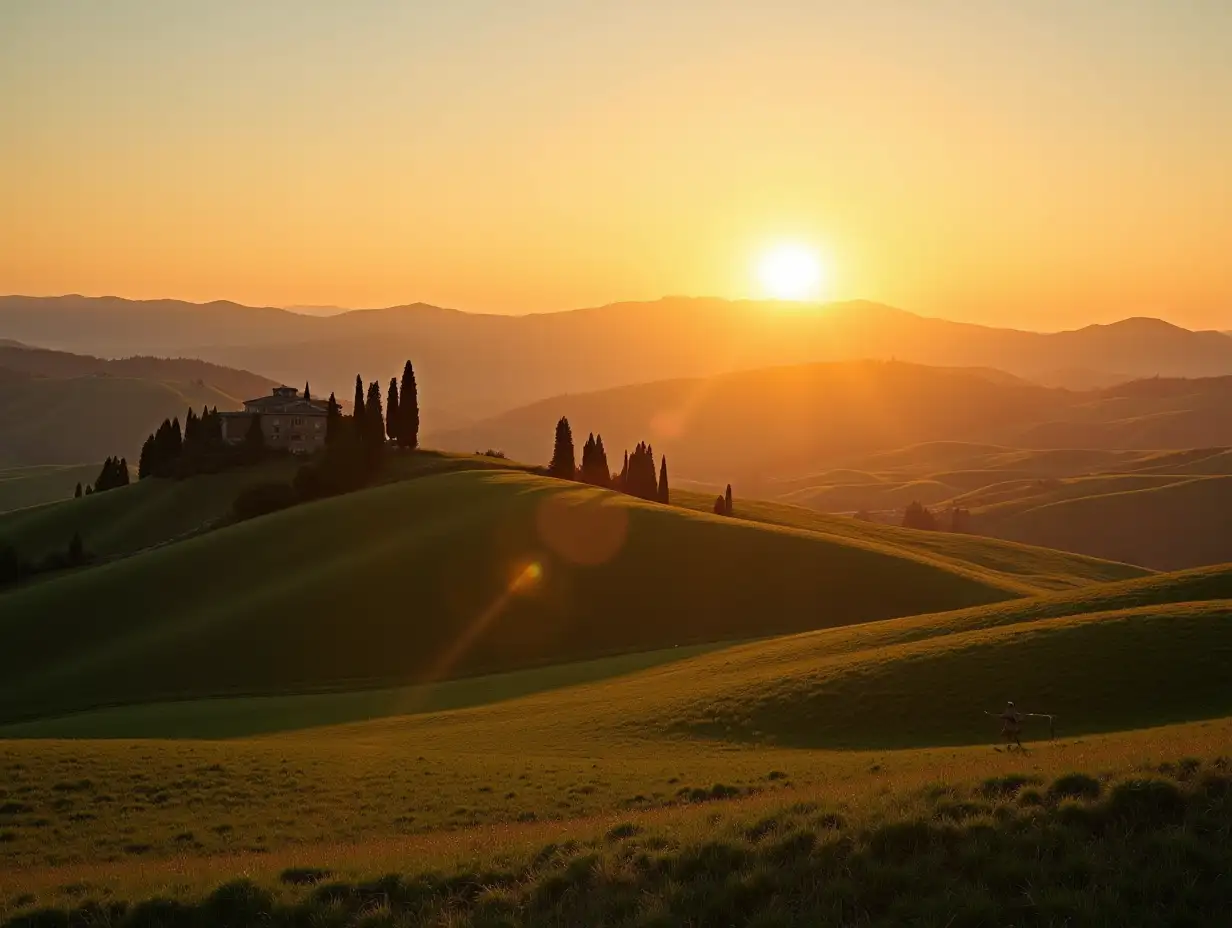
[791, 272]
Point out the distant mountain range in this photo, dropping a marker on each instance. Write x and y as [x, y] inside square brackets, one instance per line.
[61, 408]
[473, 365]
[762, 426]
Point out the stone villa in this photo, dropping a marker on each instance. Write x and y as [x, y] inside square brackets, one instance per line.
[287, 419]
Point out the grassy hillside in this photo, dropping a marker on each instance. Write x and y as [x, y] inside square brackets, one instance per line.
[30, 486]
[450, 575]
[154, 512]
[221, 717]
[1164, 523]
[135, 517]
[1029, 569]
[67, 421]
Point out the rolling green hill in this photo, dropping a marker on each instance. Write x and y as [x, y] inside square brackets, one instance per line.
[1165, 524]
[30, 486]
[444, 576]
[1030, 569]
[138, 516]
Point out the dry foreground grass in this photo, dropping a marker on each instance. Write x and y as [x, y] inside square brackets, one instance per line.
[350, 826]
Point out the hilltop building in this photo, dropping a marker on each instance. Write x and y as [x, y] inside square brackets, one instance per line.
[287, 420]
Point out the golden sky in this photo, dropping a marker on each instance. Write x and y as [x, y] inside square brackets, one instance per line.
[1043, 164]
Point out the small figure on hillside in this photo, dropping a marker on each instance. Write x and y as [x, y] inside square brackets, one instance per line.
[1011, 725]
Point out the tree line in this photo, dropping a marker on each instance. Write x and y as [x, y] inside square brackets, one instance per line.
[637, 470]
[114, 474]
[637, 474]
[197, 448]
[919, 516]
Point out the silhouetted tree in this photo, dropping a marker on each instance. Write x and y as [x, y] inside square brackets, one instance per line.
[77, 492]
[563, 462]
[393, 420]
[374, 416]
[664, 495]
[594, 468]
[333, 421]
[918, 516]
[357, 408]
[720, 506]
[307, 393]
[640, 477]
[727, 501]
[146, 462]
[89, 490]
[408, 409]
[623, 480]
[114, 473]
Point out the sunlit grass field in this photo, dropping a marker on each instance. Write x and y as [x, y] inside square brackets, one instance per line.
[342, 826]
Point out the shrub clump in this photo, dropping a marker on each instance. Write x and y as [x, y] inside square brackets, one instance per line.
[1074, 786]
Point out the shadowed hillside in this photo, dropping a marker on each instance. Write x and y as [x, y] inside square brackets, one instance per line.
[443, 576]
[30, 486]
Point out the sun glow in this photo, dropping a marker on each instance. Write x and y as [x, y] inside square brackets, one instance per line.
[791, 272]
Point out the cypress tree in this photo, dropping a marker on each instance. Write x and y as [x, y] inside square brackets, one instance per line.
[622, 482]
[89, 491]
[727, 503]
[374, 416]
[333, 421]
[357, 409]
[563, 462]
[393, 422]
[190, 430]
[603, 474]
[408, 409]
[664, 496]
[176, 443]
[122, 472]
[146, 462]
[307, 393]
[720, 506]
[77, 492]
[587, 471]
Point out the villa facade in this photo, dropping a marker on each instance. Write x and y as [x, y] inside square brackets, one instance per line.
[287, 421]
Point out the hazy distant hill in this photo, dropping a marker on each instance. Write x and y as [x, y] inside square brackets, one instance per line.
[473, 365]
[60, 408]
[773, 423]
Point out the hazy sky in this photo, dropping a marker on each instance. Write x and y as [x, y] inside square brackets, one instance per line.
[1044, 163]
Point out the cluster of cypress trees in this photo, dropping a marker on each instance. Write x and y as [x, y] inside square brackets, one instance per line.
[171, 451]
[723, 504]
[370, 423]
[919, 516]
[636, 477]
[114, 474]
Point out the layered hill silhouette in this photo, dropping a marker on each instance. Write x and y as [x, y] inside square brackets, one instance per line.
[62, 408]
[767, 425]
[475, 365]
